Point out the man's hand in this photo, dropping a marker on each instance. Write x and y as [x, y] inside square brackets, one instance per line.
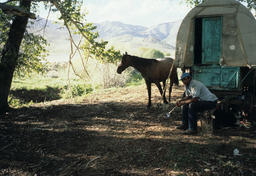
[186, 100]
[179, 103]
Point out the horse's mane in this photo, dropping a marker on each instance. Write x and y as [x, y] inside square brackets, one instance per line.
[140, 61]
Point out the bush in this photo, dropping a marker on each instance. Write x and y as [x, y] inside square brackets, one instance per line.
[134, 78]
[153, 53]
[76, 90]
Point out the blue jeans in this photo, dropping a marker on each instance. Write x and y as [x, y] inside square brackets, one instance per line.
[189, 112]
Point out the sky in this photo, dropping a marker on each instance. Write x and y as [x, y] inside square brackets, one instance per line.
[137, 12]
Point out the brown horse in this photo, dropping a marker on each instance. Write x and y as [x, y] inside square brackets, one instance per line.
[153, 71]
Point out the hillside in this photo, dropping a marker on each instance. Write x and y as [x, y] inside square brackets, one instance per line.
[124, 37]
[130, 37]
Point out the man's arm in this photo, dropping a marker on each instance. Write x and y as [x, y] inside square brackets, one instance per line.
[186, 100]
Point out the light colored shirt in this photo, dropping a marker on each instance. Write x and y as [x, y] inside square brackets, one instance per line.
[198, 89]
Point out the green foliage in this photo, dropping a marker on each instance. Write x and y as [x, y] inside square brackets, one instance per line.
[110, 55]
[32, 51]
[15, 102]
[152, 53]
[194, 2]
[251, 4]
[75, 90]
[167, 54]
[135, 78]
[4, 27]
[38, 88]
[102, 53]
[32, 55]
[25, 96]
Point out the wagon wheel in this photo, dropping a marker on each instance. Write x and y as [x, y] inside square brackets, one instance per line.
[249, 107]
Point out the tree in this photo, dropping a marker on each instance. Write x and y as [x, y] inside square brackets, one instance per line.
[10, 54]
[70, 11]
[152, 53]
[32, 50]
[251, 4]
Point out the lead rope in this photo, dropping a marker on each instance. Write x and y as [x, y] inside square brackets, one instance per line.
[166, 83]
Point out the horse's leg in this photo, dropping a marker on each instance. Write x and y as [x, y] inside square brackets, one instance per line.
[164, 98]
[148, 83]
[170, 90]
[161, 91]
[164, 91]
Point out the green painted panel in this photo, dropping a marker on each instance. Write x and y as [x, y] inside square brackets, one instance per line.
[209, 75]
[230, 77]
[216, 77]
[211, 40]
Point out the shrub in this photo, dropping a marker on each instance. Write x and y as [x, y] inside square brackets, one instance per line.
[71, 91]
[134, 78]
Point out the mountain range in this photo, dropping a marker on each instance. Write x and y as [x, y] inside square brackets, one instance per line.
[125, 37]
[132, 37]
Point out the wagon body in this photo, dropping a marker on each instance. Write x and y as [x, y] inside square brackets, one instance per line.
[216, 42]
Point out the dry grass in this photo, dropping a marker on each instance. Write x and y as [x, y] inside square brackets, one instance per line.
[112, 133]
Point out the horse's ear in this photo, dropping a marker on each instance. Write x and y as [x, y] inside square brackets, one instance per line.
[125, 53]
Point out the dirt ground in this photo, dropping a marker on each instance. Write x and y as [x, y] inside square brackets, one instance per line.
[112, 133]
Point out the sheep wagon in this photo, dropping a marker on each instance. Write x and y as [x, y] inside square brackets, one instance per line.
[216, 43]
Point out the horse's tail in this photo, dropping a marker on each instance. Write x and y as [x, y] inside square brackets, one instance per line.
[173, 79]
[174, 76]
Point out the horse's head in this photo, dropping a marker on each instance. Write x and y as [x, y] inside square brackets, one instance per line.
[125, 62]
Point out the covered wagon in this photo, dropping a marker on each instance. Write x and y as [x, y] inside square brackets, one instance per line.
[216, 43]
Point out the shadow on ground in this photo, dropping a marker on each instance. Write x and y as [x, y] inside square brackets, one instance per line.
[40, 95]
[116, 139]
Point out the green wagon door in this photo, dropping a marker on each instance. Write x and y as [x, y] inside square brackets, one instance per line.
[208, 41]
[211, 40]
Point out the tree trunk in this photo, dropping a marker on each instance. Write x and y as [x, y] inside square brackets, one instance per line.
[10, 55]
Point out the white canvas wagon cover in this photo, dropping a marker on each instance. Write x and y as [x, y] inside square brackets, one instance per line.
[238, 45]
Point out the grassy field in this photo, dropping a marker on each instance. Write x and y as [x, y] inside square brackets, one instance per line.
[40, 88]
[58, 84]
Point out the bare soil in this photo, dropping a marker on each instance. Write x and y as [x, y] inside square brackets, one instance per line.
[112, 133]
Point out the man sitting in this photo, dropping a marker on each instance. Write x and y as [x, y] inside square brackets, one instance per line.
[197, 98]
